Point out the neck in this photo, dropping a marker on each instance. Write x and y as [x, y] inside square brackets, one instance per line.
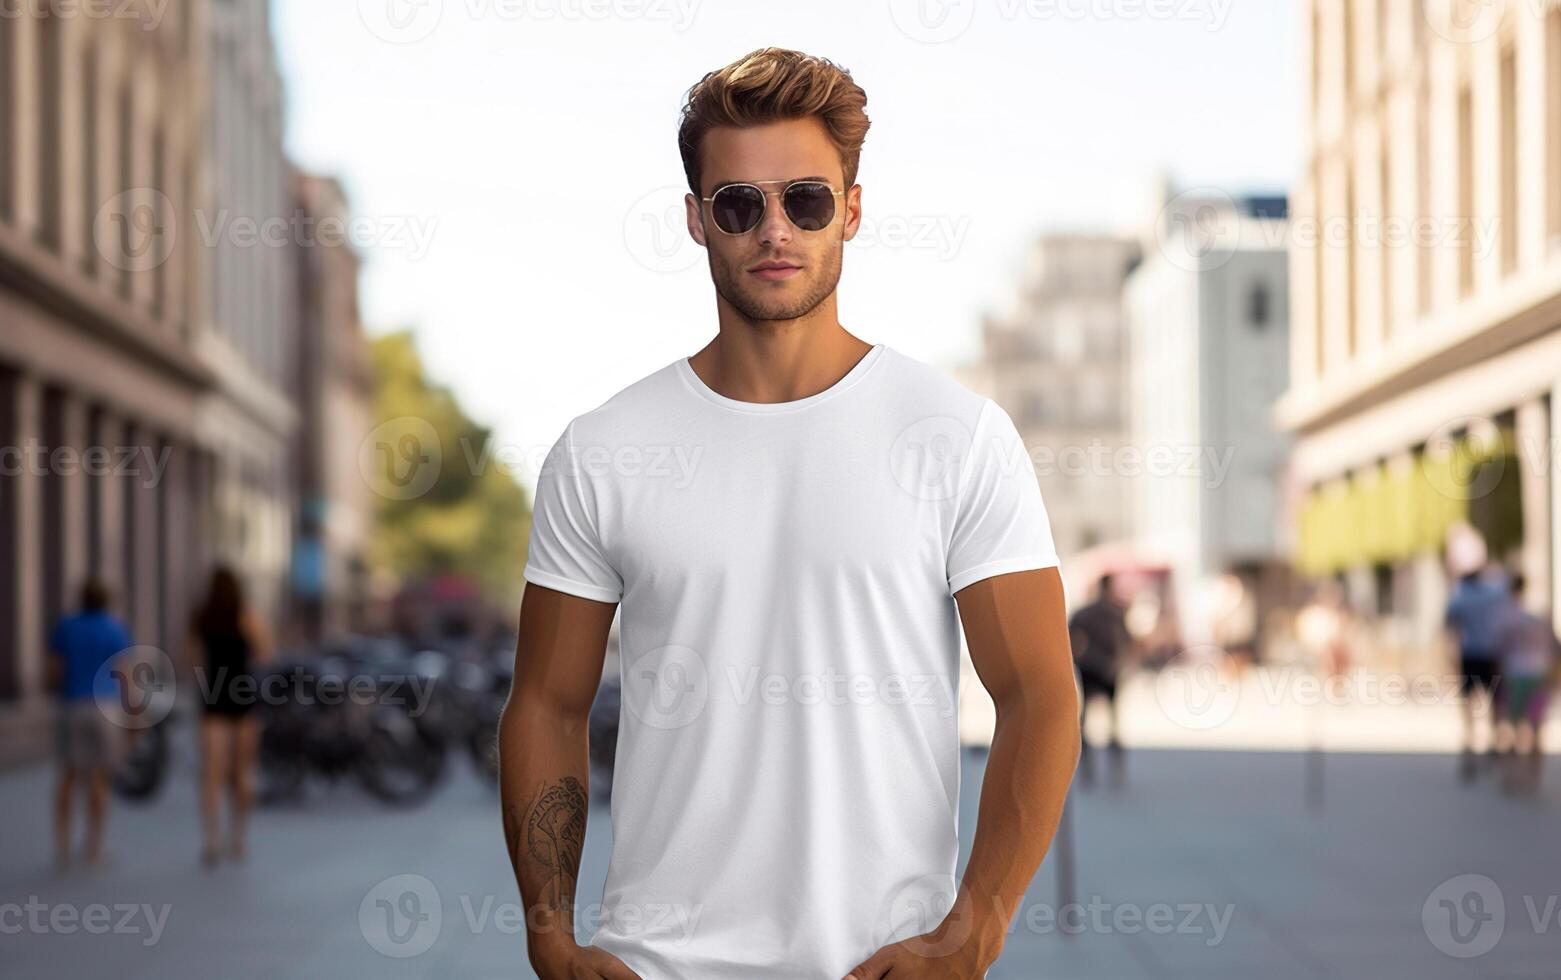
[778, 360]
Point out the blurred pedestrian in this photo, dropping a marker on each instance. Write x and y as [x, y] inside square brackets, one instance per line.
[1527, 653]
[83, 646]
[231, 641]
[1101, 646]
[1324, 628]
[1472, 613]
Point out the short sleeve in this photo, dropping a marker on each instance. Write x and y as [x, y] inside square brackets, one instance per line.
[1000, 522]
[565, 552]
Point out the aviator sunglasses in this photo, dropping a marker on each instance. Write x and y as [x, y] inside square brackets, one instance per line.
[738, 208]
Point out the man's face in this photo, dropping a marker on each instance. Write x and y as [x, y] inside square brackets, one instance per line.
[782, 151]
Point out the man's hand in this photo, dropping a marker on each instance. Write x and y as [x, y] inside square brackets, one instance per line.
[570, 961]
[949, 952]
[962, 947]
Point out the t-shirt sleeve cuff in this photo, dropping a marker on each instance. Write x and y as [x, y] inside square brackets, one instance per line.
[584, 590]
[1027, 563]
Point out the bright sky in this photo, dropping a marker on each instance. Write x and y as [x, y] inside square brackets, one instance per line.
[515, 167]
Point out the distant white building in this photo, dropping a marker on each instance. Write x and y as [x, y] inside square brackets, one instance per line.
[1055, 361]
[1208, 344]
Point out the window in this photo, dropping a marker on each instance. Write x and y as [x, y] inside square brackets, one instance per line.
[1258, 303]
[1347, 35]
[1388, 218]
[7, 117]
[1465, 216]
[1509, 162]
[1351, 289]
[126, 133]
[1553, 122]
[160, 230]
[89, 160]
[1423, 253]
[49, 116]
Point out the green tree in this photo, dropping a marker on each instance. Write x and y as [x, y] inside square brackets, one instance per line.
[464, 514]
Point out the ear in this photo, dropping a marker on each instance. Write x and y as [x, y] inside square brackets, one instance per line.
[696, 218]
[852, 203]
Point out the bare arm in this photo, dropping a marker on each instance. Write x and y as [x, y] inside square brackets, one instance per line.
[544, 775]
[1017, 631]
[260, 643]
[1016, 627]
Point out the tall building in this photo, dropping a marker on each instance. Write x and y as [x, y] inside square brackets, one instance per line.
[101, 319]
[146, 330]
[1056, 361]
[1425, 349]
[1207, 313]
[251, 221]
[335, 403]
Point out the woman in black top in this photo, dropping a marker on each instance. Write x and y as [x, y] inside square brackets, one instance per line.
[231, 642]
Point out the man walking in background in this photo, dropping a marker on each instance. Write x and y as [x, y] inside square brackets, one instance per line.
[1526, 648]
[1471, 616]
[1101, 644]
[81, 648]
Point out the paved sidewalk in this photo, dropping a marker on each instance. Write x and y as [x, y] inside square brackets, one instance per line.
[1204, 864]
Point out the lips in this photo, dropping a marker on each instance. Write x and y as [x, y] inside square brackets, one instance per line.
[773, 270]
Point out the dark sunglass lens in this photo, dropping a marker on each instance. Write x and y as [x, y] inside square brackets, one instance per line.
[811, 207]
[737, 208]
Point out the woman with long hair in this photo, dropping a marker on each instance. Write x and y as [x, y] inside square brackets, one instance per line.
[231, 641]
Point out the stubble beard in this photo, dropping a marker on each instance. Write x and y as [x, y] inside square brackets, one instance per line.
[732, 285]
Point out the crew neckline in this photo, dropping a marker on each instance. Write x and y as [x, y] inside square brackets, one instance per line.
[850, 378]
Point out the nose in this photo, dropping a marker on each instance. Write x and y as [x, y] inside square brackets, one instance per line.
[774, 228]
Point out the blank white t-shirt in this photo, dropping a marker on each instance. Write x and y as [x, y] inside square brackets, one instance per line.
[787, 773]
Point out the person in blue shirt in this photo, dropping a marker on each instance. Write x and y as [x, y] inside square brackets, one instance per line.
[1473, 613]
[83, 647]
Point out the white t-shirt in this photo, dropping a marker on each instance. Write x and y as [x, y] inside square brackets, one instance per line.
[787, 774]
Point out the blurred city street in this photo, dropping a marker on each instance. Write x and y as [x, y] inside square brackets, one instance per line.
[1206, 864]
[309, 310]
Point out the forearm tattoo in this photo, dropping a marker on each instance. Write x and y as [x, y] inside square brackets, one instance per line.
[546, 839]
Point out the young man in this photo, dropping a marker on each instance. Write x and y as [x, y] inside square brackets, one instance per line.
[1471, 617]
[1101, 645]
[82, 645]
[797, 523]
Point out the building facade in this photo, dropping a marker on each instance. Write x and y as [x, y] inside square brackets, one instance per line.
[1426, 301]
[335, 505]
[1207, 335]
[1055, 359]
[101, 312]
[251, 230]
[148, 324]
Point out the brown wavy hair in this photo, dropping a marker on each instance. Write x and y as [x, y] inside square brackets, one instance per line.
[771, 85]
